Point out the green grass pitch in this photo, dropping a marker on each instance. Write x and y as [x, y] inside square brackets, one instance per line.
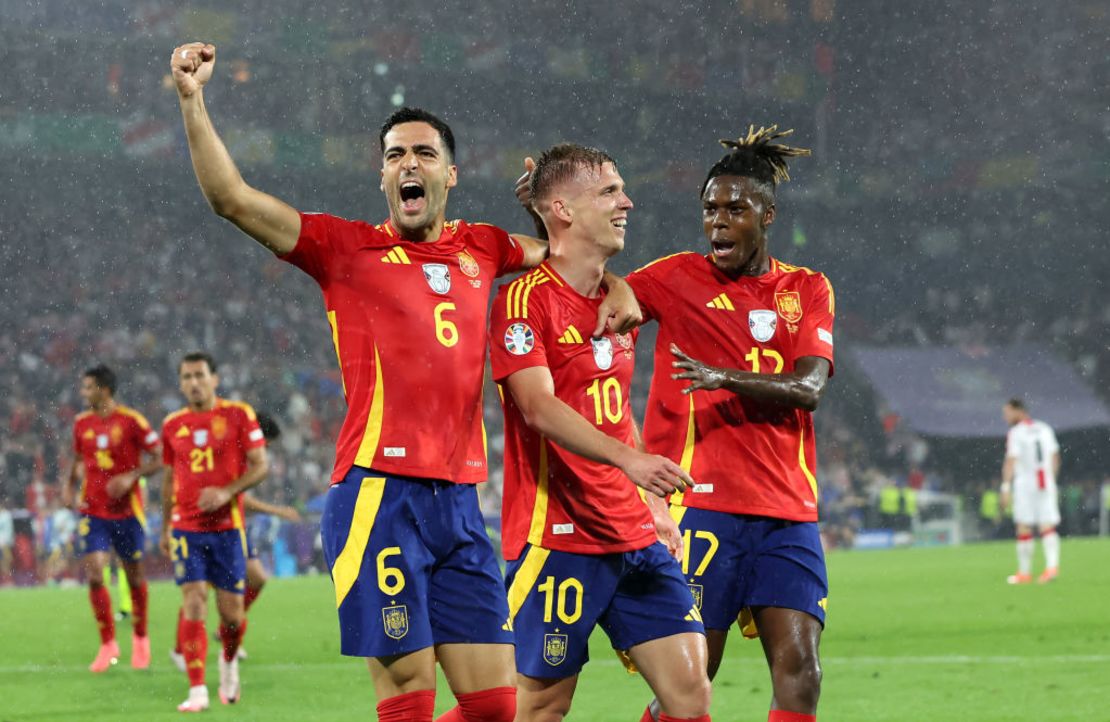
[914, 634]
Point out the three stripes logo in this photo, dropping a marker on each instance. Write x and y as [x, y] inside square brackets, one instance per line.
[571, 335]
[397, 255]
[722, 302]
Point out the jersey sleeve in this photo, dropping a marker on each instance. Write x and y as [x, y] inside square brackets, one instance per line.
[1012, 451]
[507, 253]
[250, 432]
[323, 239]
[76, 440]
[815, 337]
[1053, 444]
[146, 436]
[515, 336]
[648, 284]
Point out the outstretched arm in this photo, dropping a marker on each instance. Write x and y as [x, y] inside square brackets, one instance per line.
[801, 389]
[254, 505]
[264, 218]
[533, 391]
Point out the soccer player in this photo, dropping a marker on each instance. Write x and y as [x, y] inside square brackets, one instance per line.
[1029, 479]
[7, 541]
[407, 301]
[114, 446]
[213, 451]
[736, 413]
[580, 541]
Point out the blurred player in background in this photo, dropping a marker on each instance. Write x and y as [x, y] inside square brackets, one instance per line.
[114, 447]
[736, 413]
[213, 451]
[7, 541]
[581, 543]
[407, 302]
[1029, 478]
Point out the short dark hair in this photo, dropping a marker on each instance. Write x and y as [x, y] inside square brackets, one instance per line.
[198, 356]
[103, 377]
[419, 115]
[1016, 404]
[755, 156]
[269, 425]
[559, 163]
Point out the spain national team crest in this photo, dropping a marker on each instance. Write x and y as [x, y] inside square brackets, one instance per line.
[603, 352]
[116, 434]
[200, 437]
[554, 649]
[468, 265]
[624, 340]
[396, 621]
[438, 276]
[219, 427]
[789, 305]
[699, 593]
[519, 339]
[762, 324]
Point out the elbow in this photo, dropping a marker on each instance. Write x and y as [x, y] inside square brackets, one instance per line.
[809, 397]
[223, 206]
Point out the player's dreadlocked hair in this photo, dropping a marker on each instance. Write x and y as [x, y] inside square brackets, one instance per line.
[758, 157]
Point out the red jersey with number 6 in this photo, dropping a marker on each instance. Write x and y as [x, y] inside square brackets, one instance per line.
[747, 456]
[553, 498]
[208, 448]
[408, 321]
[111, 445]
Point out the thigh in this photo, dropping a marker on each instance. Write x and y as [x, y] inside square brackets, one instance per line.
[555, 601]
[379, 565]
[788, 636]
[712, 564]
[475, 667]
[128, 539]
[466, 593]
[788, 568]
[544, 697]
[230, 606]
[1047, 508]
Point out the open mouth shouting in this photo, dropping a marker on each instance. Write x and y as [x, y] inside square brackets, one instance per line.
[722, 248]
[412, 197]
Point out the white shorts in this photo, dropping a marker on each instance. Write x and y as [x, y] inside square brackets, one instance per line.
[1036, 507]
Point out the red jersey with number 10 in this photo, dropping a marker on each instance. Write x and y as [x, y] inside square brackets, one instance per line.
[408, 321]
[746, 456]
[111, 445]
[208, 448]
[553, 498]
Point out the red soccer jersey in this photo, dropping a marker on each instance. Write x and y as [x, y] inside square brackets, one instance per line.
[108, 446]
[408, 322]
[747, 456]
[553, 498]
[208, 448]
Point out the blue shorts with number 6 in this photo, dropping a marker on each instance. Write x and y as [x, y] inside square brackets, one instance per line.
[412, 565]
[734, 562]
[216, 557]
[557, 598]
[126, 536]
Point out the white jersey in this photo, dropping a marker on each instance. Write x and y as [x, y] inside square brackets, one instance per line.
[1032, 444]
[7, 529]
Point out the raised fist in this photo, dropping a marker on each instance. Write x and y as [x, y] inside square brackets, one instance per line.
[192, 65]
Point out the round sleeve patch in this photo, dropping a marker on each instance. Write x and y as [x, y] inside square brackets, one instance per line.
[519, 339]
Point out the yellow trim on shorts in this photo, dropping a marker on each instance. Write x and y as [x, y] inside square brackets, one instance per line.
[525, 580]
[349, 562]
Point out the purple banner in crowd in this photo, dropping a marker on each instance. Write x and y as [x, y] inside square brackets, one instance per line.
[960, 392]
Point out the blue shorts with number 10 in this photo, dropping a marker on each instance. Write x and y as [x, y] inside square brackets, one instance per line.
[557, 598]
[412, 565]
[736, 561]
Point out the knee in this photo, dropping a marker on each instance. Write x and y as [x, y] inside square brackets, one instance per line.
[544, 711]
[689, 698]
[799, 672]
[490, 705]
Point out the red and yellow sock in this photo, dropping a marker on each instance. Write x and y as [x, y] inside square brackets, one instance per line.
[101, 602]
[194, 645]
[138, 609]
[249, 596]
[497, 704]
[412, 707]
[231, 635]
[781, 715]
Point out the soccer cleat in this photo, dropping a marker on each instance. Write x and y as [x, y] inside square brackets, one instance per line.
[140, 652]
[197, 701]
[106, 656]
[178, 660]
[1019, 578]
[242, 653]
[1048, 575]
[229, 680]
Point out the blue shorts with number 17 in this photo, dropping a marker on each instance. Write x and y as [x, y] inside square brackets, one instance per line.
[412, 565]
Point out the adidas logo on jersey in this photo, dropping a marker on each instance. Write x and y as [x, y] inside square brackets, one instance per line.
[397, 255]
[722, 302]
[571, 335]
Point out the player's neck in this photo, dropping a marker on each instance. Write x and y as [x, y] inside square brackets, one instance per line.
[423, 234]
[580, 271]
[203, 406]
[104, 409]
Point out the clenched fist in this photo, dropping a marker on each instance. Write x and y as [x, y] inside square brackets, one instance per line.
[192, 65]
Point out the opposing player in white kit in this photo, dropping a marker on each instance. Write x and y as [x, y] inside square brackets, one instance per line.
[1029, 479]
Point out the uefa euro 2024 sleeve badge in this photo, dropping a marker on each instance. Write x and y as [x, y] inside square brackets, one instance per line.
[438, 277]
[519, 339]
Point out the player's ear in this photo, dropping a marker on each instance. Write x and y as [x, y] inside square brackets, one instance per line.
[452, 176]
[381, 180]
[561, 210]
[769, 215]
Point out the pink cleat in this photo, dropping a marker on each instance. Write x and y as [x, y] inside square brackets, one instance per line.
[229, 680]
[140, 652]
[106, 656]
[1048, 575]
[197, 701]
[1019, 578]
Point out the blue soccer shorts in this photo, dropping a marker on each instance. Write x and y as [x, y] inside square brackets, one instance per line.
[557, 598]
[216, 557]
[734, 562]
[126, 536]
[412, 565]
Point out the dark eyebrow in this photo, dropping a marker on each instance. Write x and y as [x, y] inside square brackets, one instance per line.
[419, 148]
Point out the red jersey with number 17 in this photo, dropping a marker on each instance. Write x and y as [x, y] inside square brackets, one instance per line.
[408, 321]
[746, 456]
[553, 498]
[208, 448]
[111, 445]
